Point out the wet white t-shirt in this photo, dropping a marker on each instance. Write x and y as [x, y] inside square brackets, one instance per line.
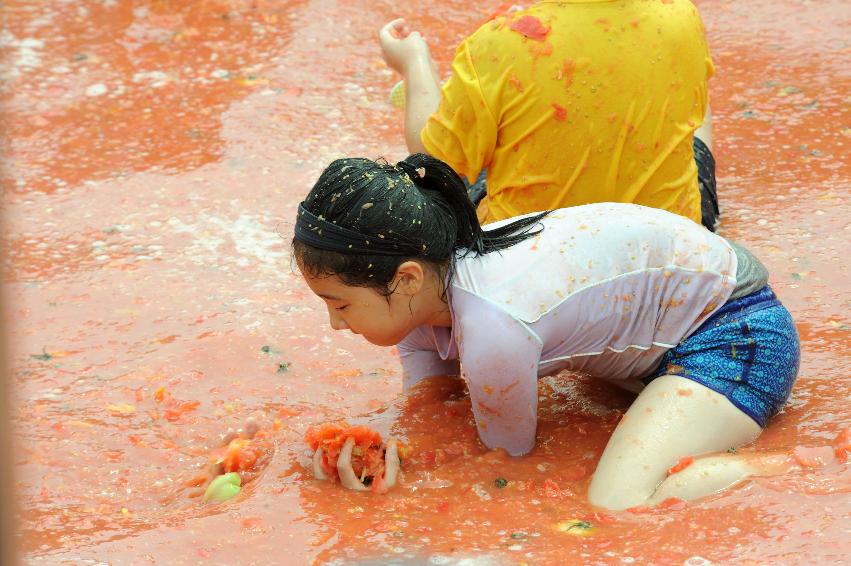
[605, 289]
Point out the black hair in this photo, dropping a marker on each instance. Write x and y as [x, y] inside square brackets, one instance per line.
[420, 204]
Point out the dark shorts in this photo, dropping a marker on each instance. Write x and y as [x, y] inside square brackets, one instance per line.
[748, 351]
[479, 189]
[705, 180]
[710, 214]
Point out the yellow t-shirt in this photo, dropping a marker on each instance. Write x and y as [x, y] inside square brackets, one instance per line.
[574, 102]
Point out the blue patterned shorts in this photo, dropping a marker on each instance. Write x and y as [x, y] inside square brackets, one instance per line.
[748, 351]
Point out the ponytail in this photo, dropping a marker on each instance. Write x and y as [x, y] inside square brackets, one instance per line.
[441, 185]
[363, 218]
[434, 177]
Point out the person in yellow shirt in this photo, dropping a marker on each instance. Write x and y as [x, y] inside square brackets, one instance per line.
[568, 103]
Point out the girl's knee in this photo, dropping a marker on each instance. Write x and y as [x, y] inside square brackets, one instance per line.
[615, 497]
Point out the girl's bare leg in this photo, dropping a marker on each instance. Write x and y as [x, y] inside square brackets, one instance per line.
[672, 418]
[718, 472]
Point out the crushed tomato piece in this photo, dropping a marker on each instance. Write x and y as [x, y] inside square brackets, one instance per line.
[842, 445]
[681, 465]
[530, 27]
[239, 455]
[367, 455]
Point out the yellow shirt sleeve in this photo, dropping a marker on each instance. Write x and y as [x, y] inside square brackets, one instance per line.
[463, 131]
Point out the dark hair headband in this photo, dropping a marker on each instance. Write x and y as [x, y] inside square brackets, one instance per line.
[322, 234]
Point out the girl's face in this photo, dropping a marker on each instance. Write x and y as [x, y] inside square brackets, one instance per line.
[364, 311]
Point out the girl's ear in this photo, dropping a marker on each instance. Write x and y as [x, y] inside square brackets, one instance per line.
[410, 277]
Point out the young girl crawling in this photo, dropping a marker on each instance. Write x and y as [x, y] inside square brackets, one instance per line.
[636, 296]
